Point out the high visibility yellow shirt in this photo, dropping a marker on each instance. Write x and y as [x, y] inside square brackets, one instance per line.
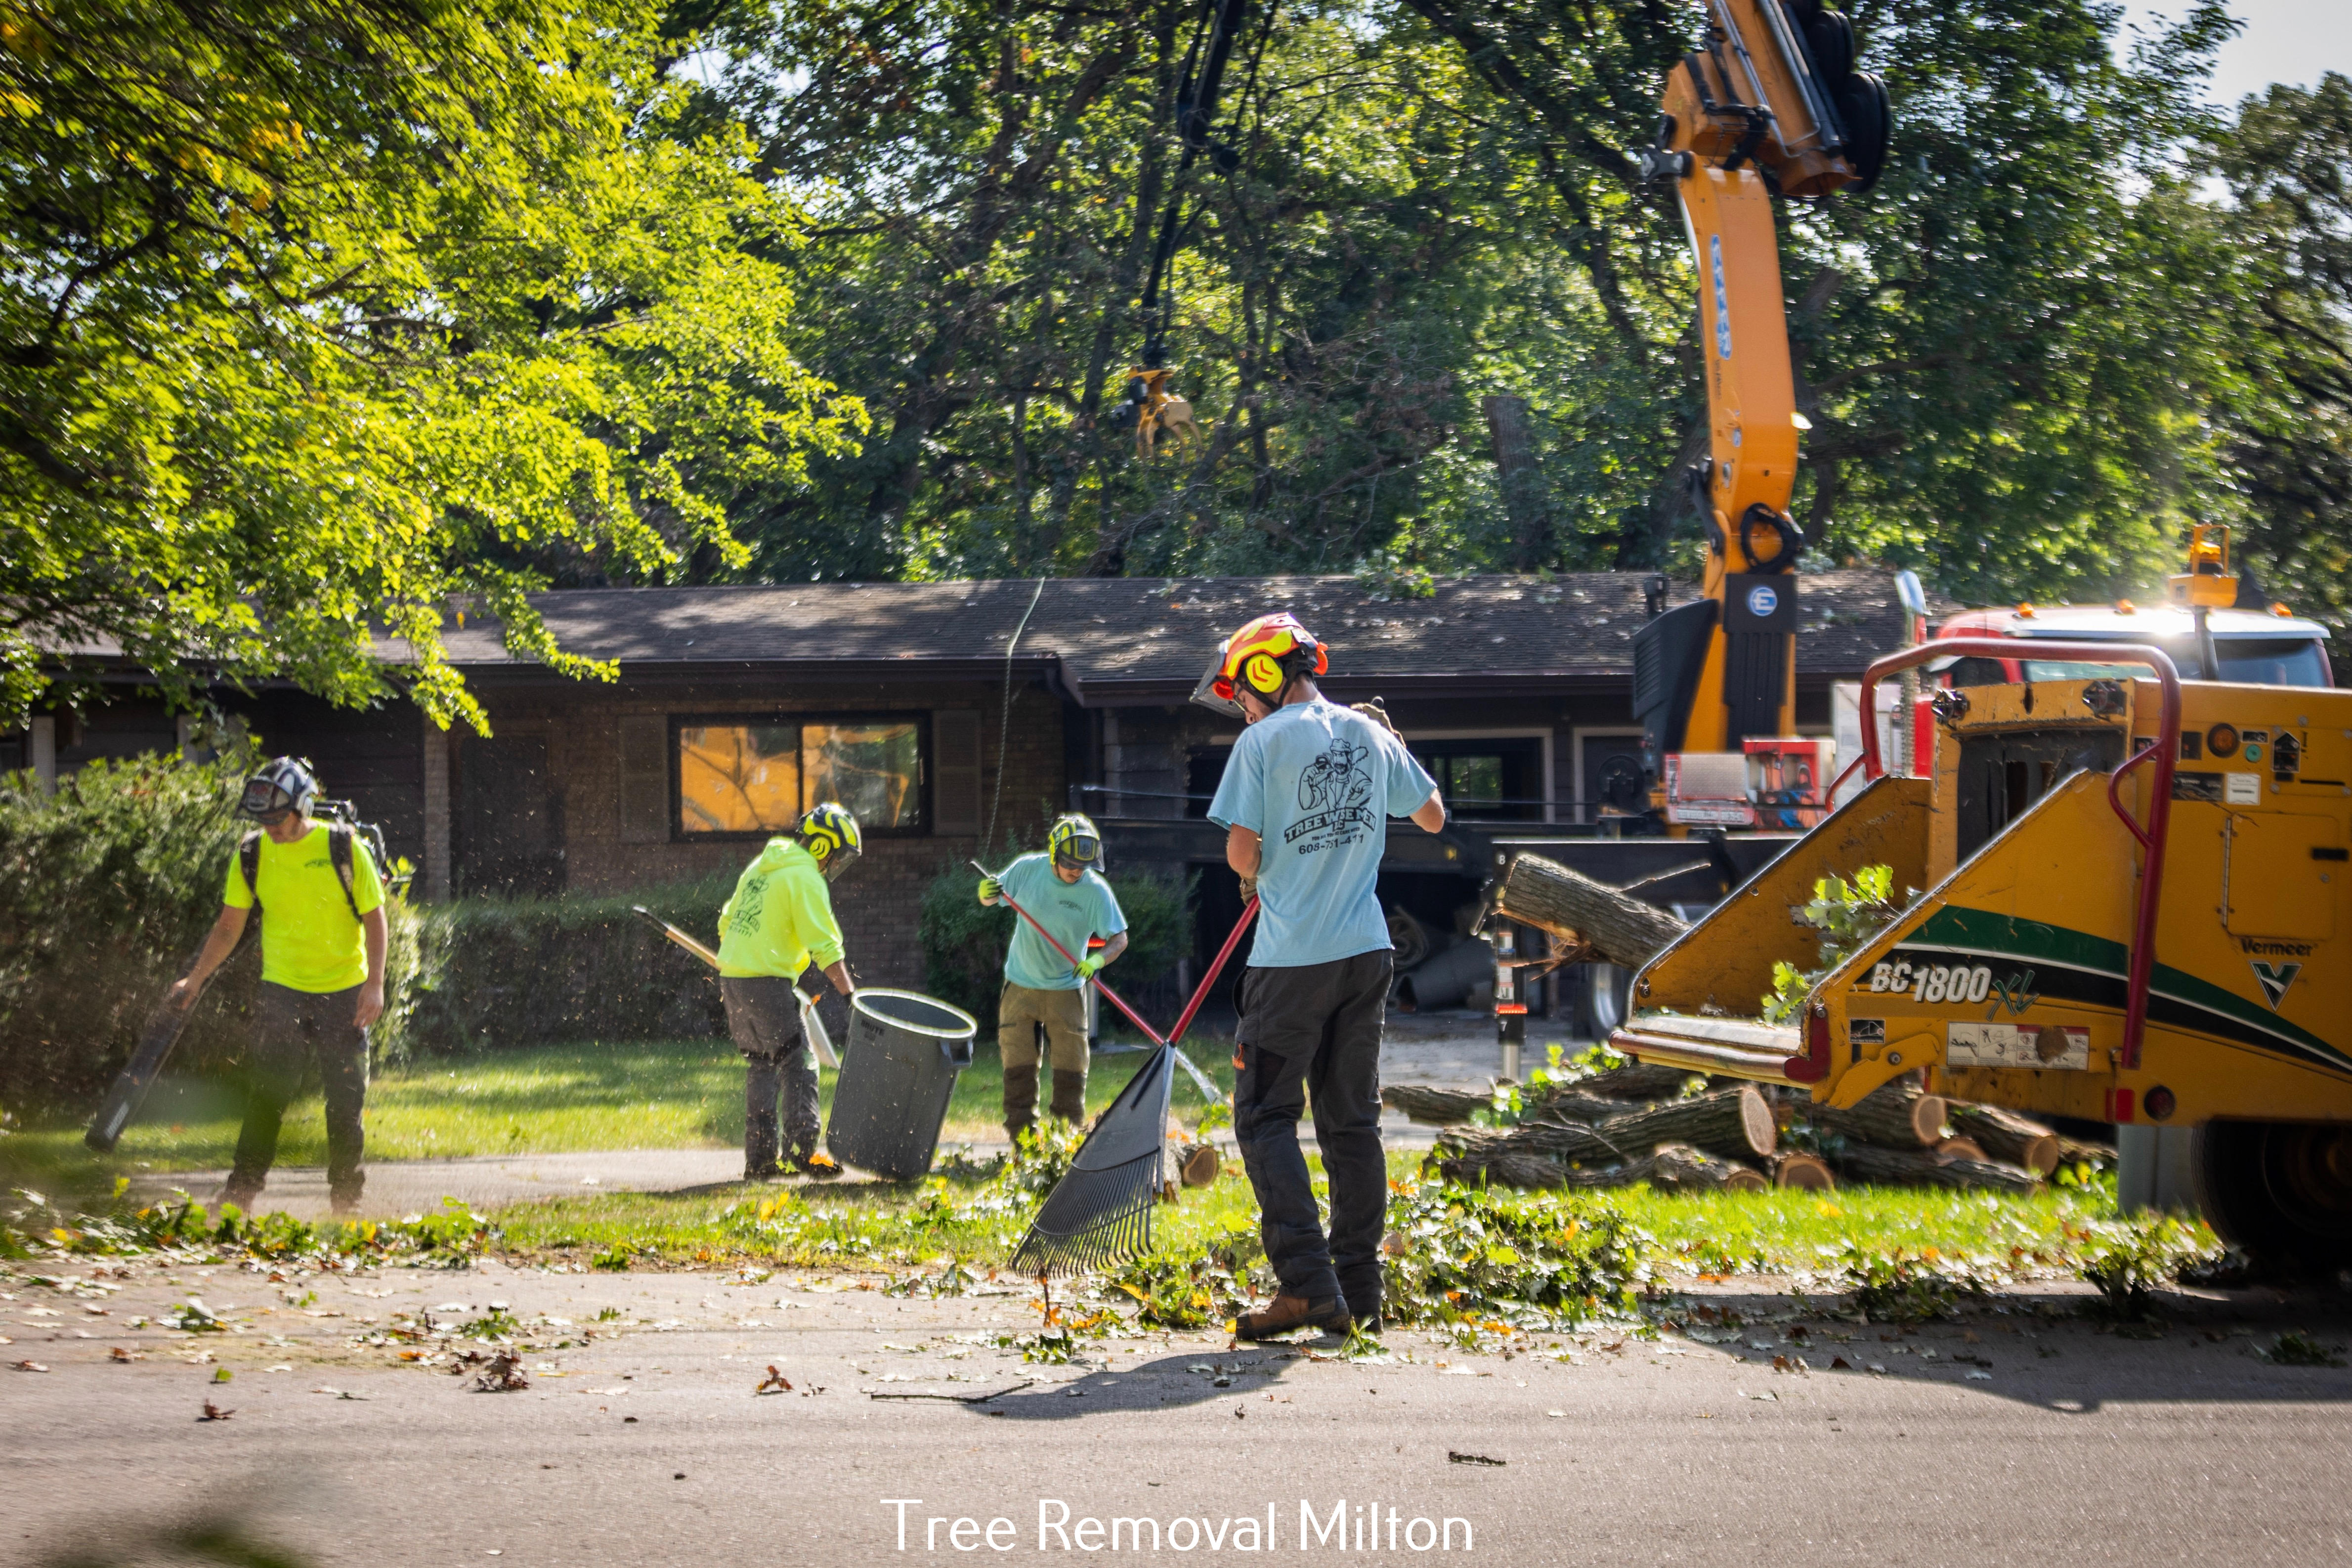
[310, 940]
[781, 916]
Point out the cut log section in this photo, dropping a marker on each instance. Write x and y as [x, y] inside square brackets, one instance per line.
[1575, 908]
[1962, 1149]
[1637, 1081]
[2006, 1135]
[1924, 1167]
[1805, 1172]
[1675, 1167]
[1436, 1107]
[1899, 1116]
[1734, 1123]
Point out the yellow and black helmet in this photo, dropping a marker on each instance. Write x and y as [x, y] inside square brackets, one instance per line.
[1074, 841]
[829, 833]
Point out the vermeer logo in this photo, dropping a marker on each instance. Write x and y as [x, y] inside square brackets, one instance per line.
[1336, 791]
[2274, 949]
[2274, 979]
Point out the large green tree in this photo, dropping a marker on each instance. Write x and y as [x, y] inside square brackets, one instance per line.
[320, 318]
[2286, 161]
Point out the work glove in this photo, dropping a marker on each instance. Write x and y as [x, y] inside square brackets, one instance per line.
[991, 890]
[1089, 968]
[1377, 711]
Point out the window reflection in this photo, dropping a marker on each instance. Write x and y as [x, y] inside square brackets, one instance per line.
[872, 768]
[739, 778]
[759, 777]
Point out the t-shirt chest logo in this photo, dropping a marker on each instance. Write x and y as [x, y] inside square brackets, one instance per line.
[1335, 790]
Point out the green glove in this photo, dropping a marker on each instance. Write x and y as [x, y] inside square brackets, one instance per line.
[1089, 968]
[991, 890]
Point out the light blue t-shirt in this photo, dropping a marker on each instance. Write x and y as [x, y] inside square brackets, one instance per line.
[1072, 911]
[1316, 782]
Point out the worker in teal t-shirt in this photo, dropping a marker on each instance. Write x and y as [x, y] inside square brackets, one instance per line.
[323, 938]
[1305, 802]
[1064, 893]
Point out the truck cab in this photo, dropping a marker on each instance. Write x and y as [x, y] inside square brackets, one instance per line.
[2256, 647]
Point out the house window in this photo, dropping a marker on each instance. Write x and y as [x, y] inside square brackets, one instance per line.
[753, 778]
[1495, 779]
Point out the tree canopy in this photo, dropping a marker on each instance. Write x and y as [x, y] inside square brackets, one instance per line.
[324, 321]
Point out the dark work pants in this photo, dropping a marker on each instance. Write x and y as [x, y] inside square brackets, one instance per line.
[287, 1025]
[764, 1018]
[1317, 1028]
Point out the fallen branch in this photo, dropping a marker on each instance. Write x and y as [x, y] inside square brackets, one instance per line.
[954, 1399]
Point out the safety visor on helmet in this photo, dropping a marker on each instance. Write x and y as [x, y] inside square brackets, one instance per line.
[1216, 691]
[1083, 850]
[274, 792]
[840, 859]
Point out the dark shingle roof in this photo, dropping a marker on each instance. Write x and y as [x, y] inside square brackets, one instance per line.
[1114, 640]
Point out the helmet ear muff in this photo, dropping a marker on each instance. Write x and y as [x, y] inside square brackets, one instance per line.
[1266, 677]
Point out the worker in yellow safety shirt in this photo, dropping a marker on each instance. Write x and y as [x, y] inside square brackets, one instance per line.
[1063, 891]
[780, 918]
[322, 950]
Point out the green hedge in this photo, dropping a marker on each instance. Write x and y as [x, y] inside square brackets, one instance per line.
[495, 971]
[964, 942]
[107, 888]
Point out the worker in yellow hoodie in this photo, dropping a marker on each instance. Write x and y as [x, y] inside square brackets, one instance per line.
[781, 919]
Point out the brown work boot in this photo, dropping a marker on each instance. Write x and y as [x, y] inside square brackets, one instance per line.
[1069, 1095]
[1020, 1099]
[1284, 1314]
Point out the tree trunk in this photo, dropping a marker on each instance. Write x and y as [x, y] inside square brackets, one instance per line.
[1575, 908]
[1962, 1149]
[1808, 1172]
[1921, 1167]
[2006, 1135]
[1899, 1116]
[1521, 478]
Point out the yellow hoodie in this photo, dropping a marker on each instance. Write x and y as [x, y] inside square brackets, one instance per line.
[781, 916]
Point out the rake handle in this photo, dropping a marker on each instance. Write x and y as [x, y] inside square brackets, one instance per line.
[1113, 996]
[1200, 991]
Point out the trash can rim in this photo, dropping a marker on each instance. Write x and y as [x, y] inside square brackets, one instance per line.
[970, 1024]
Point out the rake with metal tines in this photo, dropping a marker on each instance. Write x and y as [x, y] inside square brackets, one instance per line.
[1100, 1211]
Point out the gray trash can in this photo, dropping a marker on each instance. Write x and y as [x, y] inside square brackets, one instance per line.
[904, 1053]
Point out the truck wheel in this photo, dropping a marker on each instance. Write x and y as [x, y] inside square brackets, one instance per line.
[2279, 1190]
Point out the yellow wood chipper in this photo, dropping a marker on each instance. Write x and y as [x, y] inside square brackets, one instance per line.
[2127, 896]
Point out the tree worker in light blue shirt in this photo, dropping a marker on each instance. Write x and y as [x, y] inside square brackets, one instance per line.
[1305, 803]
[1067, 894]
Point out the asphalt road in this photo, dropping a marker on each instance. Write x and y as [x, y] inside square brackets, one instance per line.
[648, 1445]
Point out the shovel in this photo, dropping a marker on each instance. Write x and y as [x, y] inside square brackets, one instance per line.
[1101, 1211]
[811, 1023]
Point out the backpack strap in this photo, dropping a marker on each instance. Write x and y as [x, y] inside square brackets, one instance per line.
[248, 861]
[339, 854]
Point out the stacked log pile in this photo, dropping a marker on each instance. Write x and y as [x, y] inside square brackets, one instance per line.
[1658, 1125]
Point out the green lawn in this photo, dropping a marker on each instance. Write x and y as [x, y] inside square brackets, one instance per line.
[865, 1225]
[657, 1094]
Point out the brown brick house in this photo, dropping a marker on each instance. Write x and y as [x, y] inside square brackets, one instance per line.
[732, 706]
